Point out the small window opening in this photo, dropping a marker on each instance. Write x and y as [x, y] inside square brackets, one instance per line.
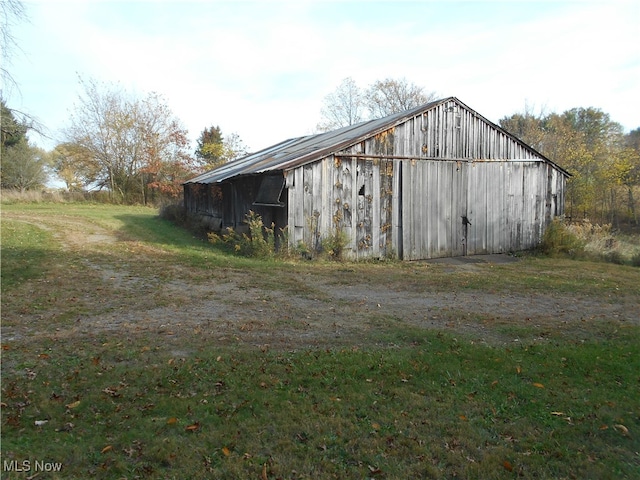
[361, 191]
[270, 191]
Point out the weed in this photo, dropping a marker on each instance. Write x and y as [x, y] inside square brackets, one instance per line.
[259, 242]
[560, 240]
[334, 244]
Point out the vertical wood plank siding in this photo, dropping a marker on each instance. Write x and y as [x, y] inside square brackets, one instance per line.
[443, 183]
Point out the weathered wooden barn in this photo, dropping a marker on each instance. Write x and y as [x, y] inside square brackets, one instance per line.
[436, 181]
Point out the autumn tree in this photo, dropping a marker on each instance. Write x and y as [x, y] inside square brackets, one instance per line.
[592, 147]
[133, 147]
[628, 164]
[527, 126]
[214, 149]
[75, 165]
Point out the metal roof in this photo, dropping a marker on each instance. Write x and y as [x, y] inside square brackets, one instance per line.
[301, 150]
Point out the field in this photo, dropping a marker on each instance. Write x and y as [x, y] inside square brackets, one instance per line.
[131, 349]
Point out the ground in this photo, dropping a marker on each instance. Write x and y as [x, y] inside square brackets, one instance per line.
[118, 286]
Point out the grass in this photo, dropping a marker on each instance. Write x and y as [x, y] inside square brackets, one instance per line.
[399, 402]
[435, 408]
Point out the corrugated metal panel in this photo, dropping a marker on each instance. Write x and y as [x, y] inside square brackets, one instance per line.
[438, 124]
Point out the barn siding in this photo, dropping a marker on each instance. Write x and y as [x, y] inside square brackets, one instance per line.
[405, 191]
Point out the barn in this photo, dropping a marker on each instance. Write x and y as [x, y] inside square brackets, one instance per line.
[439, 180]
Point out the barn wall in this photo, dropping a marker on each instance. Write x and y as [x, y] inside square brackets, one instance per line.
[226, 204]
[350, 195]
[418, 209]
[451, 131]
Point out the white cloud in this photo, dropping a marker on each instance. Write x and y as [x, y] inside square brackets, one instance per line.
[262, 69]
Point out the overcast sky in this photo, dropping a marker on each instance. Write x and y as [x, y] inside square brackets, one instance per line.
[262, 69]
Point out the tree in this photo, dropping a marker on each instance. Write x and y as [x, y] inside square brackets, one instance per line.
[134, 146]
[343, 107]
[24, 167]
[590, 145]
[12, 12]
[526, 126]
[389, 96]
[75, 166]
[12, 130]
[214, 149]
[210, 142]
[347, 104]
[628, 163]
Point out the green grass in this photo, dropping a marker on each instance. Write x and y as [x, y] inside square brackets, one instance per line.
[402, 402]
[432, 408]
[24, 252]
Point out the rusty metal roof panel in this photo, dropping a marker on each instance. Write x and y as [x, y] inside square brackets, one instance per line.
[298, 151]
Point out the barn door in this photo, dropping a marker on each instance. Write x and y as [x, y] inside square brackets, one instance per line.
[460, 220]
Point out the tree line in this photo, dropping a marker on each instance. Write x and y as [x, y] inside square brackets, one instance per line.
[136, 150]
[604, 161]
[133, 148]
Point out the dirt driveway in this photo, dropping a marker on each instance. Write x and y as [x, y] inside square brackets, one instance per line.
[116, 287]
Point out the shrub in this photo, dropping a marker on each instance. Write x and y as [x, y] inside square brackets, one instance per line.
[614, 256]
[560, 240]
[175, 213]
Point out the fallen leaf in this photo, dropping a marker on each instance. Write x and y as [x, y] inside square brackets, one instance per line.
[463, 418]
[95, 360]
[507, 466]
[172, 421]
[226, 451]
[264, 472]
[604, 427]
[518, 369]
[622, 429]
[145, 349]
[43, 356]
[73, 404]
[106, 449]
[374, 470]
[538, 385]
[193, 427]
[40, 423]
[376, 426]
[112, 392]
[557, 414]
[494, 383]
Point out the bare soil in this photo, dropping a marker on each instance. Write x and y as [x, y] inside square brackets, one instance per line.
[103, 296]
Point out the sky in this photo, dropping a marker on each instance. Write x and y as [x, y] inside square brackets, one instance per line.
[262, 69]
